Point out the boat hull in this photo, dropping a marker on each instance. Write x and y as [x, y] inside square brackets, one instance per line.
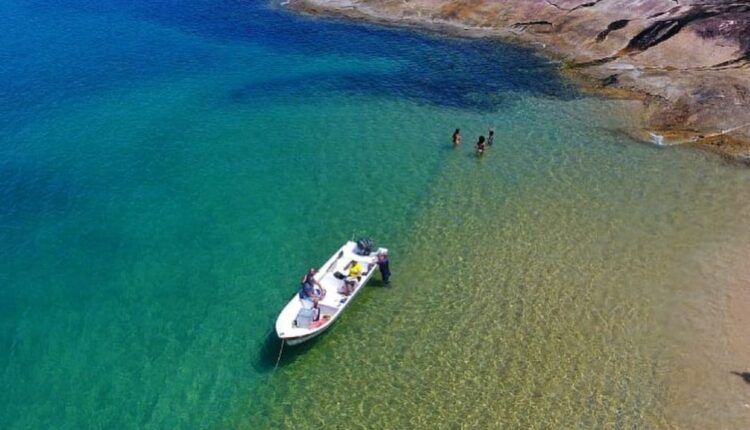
[297, 340]
[334, 302]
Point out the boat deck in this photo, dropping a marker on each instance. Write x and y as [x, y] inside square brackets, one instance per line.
[334, 302]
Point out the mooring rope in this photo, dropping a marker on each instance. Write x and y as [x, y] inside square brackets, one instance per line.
[278, 360]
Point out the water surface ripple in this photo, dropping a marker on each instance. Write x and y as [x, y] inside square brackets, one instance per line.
[168, 172]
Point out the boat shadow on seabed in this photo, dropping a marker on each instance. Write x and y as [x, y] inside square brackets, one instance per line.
[271, 355]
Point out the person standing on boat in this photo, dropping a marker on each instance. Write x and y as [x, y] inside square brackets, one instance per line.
[309, 293]
[457, 137]
[384, 267]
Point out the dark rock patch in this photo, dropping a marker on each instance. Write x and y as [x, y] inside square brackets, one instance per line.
[618, 25]
[613, 26]
[666, 12]
[524, 25]
[589, 4]
[583, 5]
[725, 19]
[734, 26]
[744, 375]
[654, 35]
[593, 63]
[610, 80]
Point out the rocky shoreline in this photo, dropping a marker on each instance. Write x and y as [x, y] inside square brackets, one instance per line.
[688, 61]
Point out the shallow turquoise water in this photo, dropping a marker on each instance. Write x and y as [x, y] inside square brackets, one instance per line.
[169, 172]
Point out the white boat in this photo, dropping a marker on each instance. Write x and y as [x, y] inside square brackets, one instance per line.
[333, 304]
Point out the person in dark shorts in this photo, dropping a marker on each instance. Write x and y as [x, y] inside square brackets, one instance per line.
[491, 138]
[384, 267]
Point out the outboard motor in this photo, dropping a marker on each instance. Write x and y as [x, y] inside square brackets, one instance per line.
[364, 247]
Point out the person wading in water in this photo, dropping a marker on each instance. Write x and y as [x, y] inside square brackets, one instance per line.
[480, 146]
[457, 137]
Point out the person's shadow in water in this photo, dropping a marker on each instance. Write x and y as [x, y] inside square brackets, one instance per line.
[744, 375]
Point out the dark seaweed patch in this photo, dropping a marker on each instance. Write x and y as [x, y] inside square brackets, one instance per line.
[27, 191]
[473, 75]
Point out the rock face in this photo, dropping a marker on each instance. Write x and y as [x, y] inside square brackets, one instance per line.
[688, 60]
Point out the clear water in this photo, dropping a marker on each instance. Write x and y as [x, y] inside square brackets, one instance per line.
[169, 170]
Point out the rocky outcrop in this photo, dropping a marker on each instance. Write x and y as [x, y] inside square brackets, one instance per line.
[688, 60]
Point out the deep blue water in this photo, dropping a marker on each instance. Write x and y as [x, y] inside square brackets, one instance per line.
[61, 50]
